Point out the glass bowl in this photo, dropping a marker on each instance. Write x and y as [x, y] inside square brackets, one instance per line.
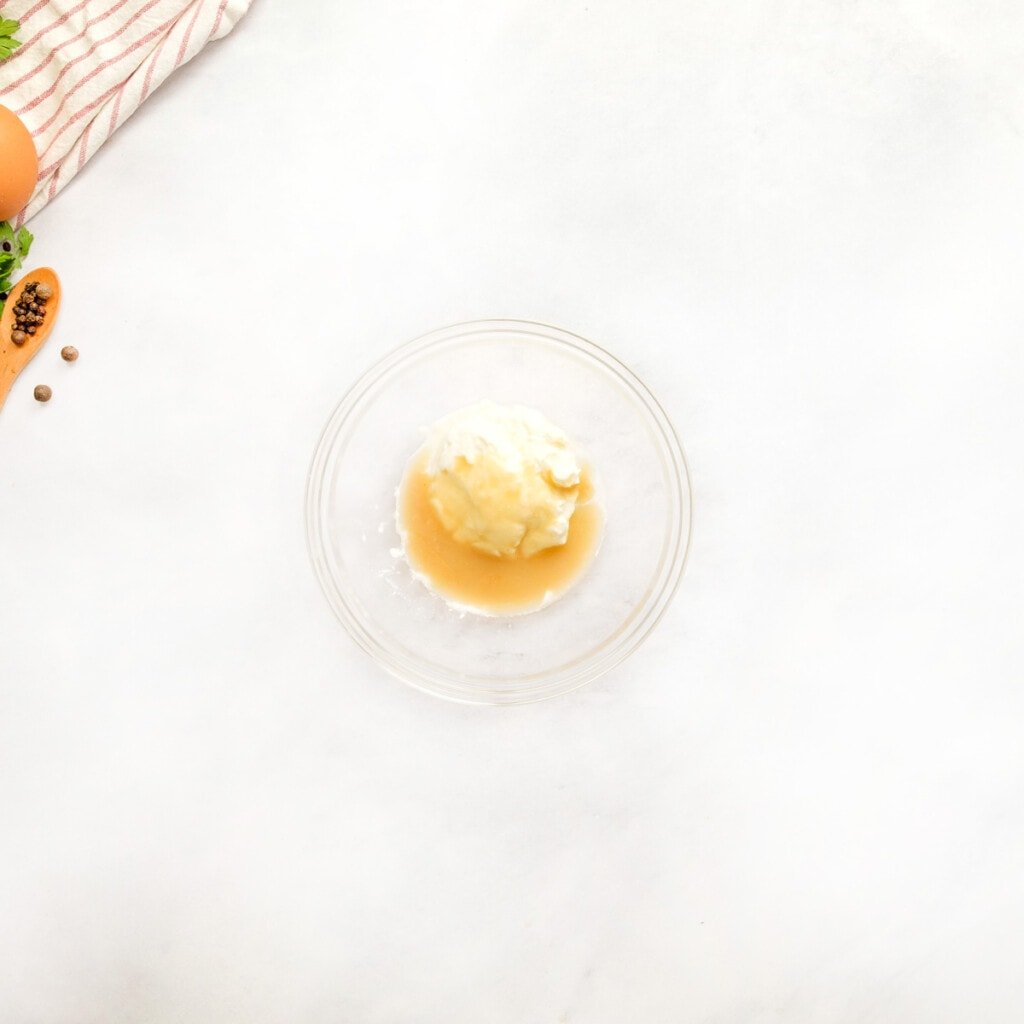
[642, 481]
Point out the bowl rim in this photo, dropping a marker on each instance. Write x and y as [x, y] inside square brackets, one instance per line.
[465, 687]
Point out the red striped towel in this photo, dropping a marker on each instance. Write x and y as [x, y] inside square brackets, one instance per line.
[85, 66]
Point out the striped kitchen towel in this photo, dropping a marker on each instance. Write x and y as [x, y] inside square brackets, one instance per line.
[84, 66]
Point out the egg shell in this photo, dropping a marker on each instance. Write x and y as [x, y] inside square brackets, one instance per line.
[19, 165]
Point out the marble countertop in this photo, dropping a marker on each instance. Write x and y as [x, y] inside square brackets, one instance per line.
[802, 800]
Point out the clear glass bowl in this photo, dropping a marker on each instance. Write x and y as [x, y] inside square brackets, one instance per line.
[642, 481]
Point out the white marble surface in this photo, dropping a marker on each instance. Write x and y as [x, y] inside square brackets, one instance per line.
[803, 800]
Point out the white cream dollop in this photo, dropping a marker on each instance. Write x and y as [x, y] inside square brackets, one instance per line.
[503, 478]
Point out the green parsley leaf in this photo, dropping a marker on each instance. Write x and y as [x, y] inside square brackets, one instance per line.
[8, 44]
[20, 242]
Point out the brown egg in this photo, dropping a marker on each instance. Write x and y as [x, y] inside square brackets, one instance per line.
[19, 165]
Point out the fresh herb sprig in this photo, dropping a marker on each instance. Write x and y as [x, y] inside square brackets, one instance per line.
[14, 247]
[8, 44]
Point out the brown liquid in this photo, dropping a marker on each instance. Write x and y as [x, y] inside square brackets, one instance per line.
[502, 586]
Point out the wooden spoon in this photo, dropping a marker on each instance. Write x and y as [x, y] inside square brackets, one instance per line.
[14, 358]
